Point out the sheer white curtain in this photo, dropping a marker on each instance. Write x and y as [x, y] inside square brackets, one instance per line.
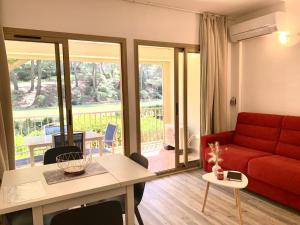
[213, 49]
[7, 149]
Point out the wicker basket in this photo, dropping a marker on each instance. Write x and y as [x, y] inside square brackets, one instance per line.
[73, 163]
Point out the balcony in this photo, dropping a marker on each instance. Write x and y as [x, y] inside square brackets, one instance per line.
[25, 126]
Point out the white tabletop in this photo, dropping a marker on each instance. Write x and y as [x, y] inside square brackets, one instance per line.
[212, 178]
[121, 172]
[47, 139]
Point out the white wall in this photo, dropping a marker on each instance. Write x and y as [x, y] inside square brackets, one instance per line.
[265, 75]
[106, 18]
[270, 76]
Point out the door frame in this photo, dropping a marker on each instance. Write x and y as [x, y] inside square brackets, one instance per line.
[20, 34]
[186, 48]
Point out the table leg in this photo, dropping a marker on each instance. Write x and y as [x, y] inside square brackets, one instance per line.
[129, 205]
[31, 153]
[205, 196]
[37, 216]
[101, 146]
[235, 197]
[238, 200]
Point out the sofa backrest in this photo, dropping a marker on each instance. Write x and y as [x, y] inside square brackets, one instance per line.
[258, 131]
[289, 140]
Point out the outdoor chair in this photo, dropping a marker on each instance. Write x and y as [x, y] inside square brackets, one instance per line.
[78, 139]
[52, 128]
[106, 213]
[51, 154]
[110, 138]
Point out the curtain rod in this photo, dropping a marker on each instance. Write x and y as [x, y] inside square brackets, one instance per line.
[160, 5]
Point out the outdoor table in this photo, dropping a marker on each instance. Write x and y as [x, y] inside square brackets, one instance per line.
[46, 141]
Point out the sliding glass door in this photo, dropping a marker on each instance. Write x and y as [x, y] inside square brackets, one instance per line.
[62, 85]
[168, 83]
[189, 106]
[156, 100]
[96, 82]
[38, 96]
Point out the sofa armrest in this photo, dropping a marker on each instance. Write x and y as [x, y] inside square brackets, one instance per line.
[223, 138]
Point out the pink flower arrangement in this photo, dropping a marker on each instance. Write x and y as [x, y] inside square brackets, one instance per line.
[215, 153]
[215, 156]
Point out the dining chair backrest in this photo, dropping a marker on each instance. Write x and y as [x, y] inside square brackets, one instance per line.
[51, 154]
[78, 139]
[52, 128]
[106, 213]
[139, 187]
[110, 134]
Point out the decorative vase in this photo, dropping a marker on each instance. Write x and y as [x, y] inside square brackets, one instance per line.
[215, 168]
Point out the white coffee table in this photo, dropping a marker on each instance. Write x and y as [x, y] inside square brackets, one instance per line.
[235, 185]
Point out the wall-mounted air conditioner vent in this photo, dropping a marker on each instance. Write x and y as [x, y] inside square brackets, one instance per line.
[257, 27]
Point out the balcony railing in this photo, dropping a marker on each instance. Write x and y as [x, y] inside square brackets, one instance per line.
[151, 127]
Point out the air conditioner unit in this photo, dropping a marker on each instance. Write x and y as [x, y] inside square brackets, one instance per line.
[257, 27]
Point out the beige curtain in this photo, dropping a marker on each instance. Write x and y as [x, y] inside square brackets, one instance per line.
[3, 149]
[213, 49]
[7, 149]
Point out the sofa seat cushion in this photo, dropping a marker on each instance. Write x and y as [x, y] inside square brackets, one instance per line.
[279, 171]
[236, 157]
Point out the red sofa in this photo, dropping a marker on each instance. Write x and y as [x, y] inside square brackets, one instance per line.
[266, 148]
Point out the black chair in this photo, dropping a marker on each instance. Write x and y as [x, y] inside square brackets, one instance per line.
[106, 213]
[24, 217]
[138, 188]
[51, 154]
[78, 139]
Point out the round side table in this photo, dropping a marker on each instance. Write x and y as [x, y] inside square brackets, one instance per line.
[235, 185]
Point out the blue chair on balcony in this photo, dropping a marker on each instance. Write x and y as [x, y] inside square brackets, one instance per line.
[78, 139]
[53, 128]
[110, 138]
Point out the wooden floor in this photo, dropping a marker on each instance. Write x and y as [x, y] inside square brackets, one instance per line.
[177, 200]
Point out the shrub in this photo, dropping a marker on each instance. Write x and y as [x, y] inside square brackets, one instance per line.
[24, 76]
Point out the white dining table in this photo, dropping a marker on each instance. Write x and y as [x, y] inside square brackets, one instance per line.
[35, 193]
[34, 142]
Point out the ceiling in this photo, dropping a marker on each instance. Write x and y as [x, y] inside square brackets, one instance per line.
[225, 7]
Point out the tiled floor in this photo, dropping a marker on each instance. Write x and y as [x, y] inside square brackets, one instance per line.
[161, 159]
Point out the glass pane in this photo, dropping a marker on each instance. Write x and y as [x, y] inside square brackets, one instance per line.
[156, 77]
[193, 105]
[96, 94]
[181, 104]
[34, 93]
